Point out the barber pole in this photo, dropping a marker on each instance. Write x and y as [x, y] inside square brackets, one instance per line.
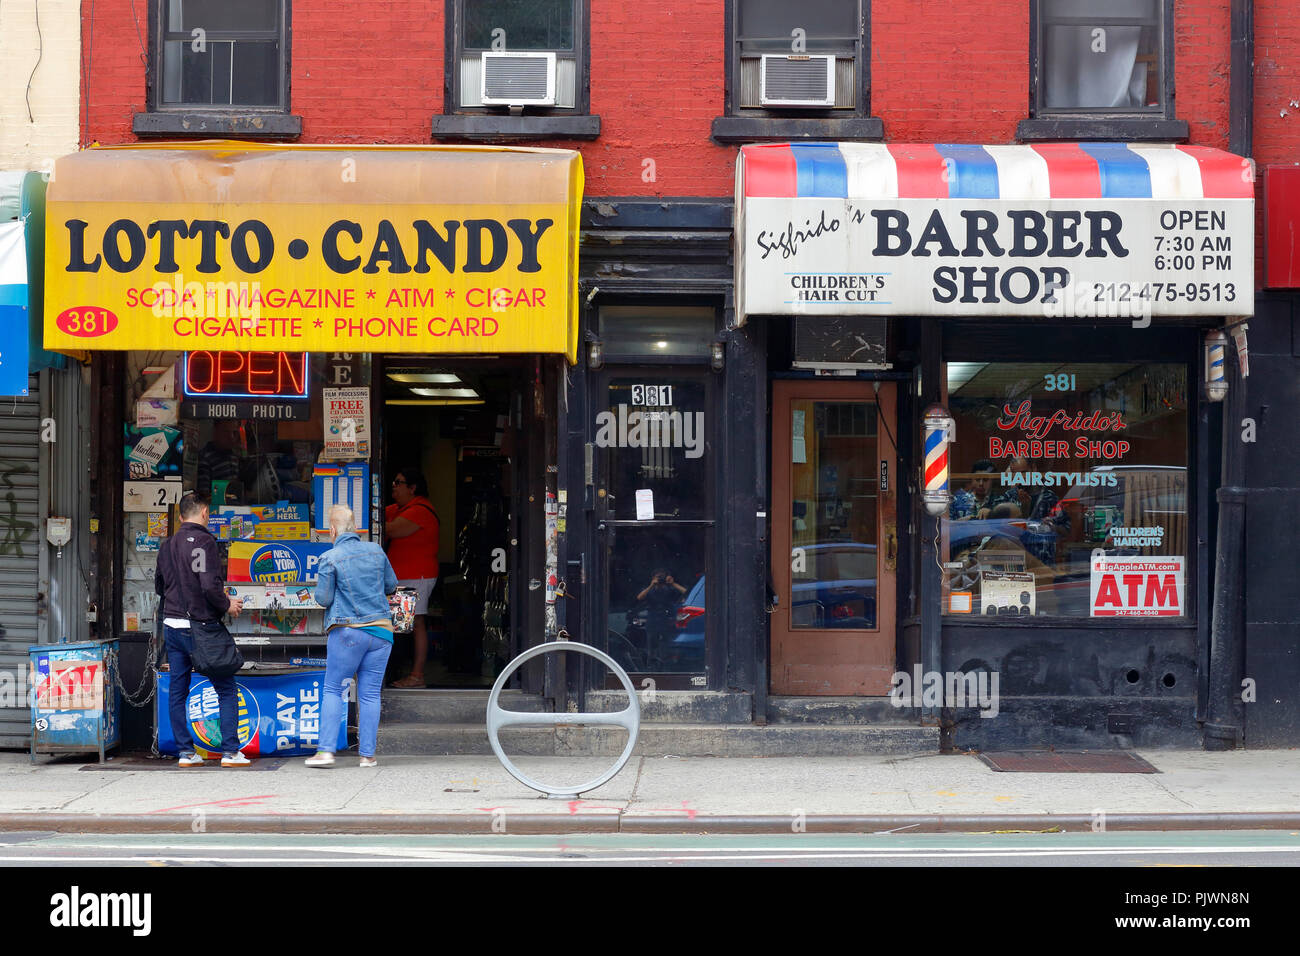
[1216, 387]
[938, 433]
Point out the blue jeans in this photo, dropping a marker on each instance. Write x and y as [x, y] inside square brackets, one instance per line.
[180, 648]
[349, 652]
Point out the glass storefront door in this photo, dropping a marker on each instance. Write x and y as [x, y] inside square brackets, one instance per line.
[655, 512]
[834, 538]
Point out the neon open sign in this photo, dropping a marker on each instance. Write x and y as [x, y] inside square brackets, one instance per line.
[280, 375]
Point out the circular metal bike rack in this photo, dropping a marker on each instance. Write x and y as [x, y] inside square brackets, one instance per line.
[498, 717]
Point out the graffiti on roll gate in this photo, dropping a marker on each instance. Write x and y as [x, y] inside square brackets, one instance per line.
[15, 532]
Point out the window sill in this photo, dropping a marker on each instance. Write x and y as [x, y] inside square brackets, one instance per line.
[244, 124]
[1126, 129]
[758, 129]
[495, 127]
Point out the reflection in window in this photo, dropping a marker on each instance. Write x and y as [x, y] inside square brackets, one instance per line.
[1069, 490]
[834, 487]
[657, 609]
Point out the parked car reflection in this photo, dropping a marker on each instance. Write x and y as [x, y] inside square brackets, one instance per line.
[835, 590]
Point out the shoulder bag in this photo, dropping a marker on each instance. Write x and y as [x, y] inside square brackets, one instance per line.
[215, 654]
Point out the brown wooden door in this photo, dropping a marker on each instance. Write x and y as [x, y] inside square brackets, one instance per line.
[834, 537]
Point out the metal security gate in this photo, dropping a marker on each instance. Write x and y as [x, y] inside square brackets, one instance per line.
[19, 557]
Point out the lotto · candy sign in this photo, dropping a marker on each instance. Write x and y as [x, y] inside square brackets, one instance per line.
[1137, 587]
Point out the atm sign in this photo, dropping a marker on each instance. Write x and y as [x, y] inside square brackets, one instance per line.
[1137, 587]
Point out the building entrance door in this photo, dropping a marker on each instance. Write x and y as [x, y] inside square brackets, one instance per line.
[834, 537]
[655, 514]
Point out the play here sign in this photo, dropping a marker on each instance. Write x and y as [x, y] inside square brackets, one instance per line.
[1137, 587]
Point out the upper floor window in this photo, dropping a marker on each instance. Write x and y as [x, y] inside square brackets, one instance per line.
[798, 70]
[804, 56]
[1100, 55]
[518, 53]
[1102, 69]
[223, 53]
[517, 69]
[219, 68]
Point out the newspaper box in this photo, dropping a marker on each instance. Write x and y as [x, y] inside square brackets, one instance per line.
[74, 698]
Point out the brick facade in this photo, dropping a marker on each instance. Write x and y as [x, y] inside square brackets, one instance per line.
[940, 72]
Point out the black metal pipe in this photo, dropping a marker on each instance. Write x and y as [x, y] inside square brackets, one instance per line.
[1225, 716]
[1241, 83]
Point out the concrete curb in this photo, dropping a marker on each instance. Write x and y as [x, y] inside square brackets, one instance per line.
[624, 822]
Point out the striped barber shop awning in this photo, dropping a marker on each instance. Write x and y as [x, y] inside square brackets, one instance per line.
[1046, 171]
[1042, 230]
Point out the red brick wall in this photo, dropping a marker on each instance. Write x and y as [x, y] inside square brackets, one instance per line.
[1277, 87]
[657, 82]
[112, 69]
[944, 72]
[367, 72]
[941, 72]
[1202, 60]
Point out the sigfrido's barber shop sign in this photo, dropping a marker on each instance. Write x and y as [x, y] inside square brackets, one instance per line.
[811, 248]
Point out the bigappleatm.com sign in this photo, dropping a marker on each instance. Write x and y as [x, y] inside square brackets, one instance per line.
[1136, 587]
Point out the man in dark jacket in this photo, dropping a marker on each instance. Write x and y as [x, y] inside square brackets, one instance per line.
[189, 580]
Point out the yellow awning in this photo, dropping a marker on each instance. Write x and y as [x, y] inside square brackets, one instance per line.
[241, 246]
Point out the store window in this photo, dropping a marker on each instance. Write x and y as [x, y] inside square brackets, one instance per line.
[1070, 490]
[268, 439]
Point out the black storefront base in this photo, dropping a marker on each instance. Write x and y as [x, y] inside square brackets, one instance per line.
[1117, 685]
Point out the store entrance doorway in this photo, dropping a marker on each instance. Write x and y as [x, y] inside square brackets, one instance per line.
[450, 440]
[834, 537]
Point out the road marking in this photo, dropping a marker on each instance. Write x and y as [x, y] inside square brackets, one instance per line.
[488, 856]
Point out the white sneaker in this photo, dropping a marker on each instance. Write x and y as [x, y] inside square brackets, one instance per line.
[235, 760]
[369, 762]
[322, 758]
[190, 759]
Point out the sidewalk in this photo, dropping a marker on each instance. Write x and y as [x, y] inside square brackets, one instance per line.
[1195, 789]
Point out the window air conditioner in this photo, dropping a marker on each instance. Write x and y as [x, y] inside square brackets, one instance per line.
[518, 79]
[798, 81]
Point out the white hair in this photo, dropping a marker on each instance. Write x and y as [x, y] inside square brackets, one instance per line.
[342, 520]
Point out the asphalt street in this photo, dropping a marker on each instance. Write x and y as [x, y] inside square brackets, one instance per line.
[1130, 849]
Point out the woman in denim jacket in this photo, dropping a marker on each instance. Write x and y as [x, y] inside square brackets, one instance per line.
[353, 580]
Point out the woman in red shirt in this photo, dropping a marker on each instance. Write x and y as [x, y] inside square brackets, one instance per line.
[411, 529]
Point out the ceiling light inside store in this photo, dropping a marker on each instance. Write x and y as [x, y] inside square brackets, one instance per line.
[445, 392]
[435, 401]
[431, 378]
[661, 345]
[959, 373]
